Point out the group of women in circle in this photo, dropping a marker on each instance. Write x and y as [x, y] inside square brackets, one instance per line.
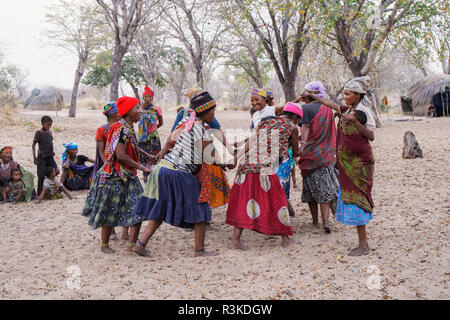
[181, 187]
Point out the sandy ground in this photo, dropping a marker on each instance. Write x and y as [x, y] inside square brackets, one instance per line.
[48, 251]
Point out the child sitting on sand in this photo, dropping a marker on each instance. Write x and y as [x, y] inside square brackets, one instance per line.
[13, 192]
[52, 188]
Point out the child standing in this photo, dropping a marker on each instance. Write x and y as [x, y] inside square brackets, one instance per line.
[52, 189]
[45, 156]
[14, 191]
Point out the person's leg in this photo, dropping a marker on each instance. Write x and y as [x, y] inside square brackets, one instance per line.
[291, 209]
[64, 176]
[139, 248]
[325, 212]
[314, 213]
[287, 242]
[237, 239]
[41, 174]
[125, 234]
[294, 179]
[200, 231]
[363, 247]
[106, 233]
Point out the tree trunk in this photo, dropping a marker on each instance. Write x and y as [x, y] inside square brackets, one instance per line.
[119, 53]
[289, 87]
[135, 90]
[76, 84]
[199, 71]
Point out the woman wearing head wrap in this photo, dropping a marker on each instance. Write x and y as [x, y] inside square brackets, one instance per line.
[116, 188]
[148, 135]
[76, 174]
[7, 164]
[219, 183]
[320, 182]
[257, 199]
[110, 111]
[177, 189]
[355, 160]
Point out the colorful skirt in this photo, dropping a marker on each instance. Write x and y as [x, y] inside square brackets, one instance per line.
[153, 147]
[321, 186]
[79, 178]
[172, 195]
[257, 202]
[284, 174]
[351, 214]
[219, 189]
[112, 204]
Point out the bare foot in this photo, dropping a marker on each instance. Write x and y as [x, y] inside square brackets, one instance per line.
[236, 244]
[107, 250]
[140, 250]
[360, 251]
[326, 228]
[203, 253]
[286, 242]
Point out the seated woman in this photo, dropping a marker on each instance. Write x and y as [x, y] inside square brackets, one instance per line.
[76, 175]
[7, 164]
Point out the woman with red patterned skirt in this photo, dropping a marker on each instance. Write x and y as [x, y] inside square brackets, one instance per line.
[257, 199]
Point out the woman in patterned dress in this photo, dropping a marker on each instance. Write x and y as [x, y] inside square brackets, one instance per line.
[148, 135]
[257, 199]
[116, 188]
[355, 160]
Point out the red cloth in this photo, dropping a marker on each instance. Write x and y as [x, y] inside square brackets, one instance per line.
[125, 104]
[259, 203]
[321, 144]
[113, 136]
[101, 135]
[148, 91]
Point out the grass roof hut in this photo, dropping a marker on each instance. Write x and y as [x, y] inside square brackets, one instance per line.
[423, 91]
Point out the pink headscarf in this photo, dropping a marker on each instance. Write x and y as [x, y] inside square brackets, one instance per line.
[294, 108]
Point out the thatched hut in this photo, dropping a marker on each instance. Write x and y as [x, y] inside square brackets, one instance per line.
[423, 91]
[48, 99]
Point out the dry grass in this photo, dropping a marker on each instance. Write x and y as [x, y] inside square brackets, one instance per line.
[90, 103]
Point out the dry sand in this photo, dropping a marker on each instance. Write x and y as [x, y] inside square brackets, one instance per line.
[409, 235]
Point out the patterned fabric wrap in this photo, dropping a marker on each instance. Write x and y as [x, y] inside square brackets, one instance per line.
[68, 146]
[112, 165]
[316, 88]
[110, 108]
[351, 214]
[172, 195]
[220, 189]
[321, 186]
[111, 203]
[79, 178]
[152, 147]
[259, 92]
[192, 92]
[262, 157]
[284, 174]
[355, 164]
[6, 149]
[207, 106]
[148, 124]
[320, 148]
[257, 202]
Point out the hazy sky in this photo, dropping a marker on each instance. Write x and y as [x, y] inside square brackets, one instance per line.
[22, 23]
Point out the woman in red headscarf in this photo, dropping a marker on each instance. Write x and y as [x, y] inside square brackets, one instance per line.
[148, 136]
[116, 188]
